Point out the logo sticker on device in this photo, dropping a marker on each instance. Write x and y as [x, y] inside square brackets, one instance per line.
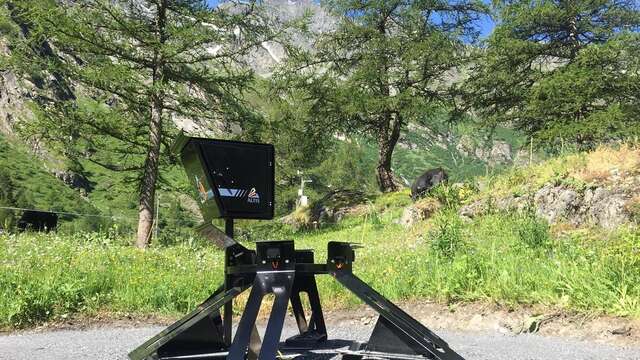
[253, 196]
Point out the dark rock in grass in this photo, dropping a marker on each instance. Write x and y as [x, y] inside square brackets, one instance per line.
[419, 211]
[334, 206]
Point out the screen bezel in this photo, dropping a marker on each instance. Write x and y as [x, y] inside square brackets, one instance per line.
[224, 212]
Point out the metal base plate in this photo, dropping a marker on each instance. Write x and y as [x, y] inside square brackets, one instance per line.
[363, 354]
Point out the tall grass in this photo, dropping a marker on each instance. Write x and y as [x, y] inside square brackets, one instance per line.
[491, 259]
[48, 277]
[510, 259]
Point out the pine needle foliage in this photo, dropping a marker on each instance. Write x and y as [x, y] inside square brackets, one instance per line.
[386, 64]
[565, 70]
[115, 77]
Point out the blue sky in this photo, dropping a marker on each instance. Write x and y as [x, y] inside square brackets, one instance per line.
[486, 24]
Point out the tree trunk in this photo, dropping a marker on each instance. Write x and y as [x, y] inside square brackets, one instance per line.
[146, 209]
[387, 141]
[383, 171]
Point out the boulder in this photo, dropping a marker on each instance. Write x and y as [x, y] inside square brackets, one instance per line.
[556, 203]
[334, 206]
[500, 153]
[605, 208]
[419, 211]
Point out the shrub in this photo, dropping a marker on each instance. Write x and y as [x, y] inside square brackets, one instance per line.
[447, 234]
[452, 196]
[299, 219]
[447, 195]
[633, 208]
[533, 231]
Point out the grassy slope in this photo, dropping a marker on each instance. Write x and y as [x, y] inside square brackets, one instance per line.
[45, 277]
[603, 167]
[115, 194]
[411, 163]
[34, 186]
[510, 259]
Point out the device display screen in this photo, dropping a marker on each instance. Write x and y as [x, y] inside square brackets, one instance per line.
[243, 177]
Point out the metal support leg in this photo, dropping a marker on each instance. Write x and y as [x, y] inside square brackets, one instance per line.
[209, 307]
[298, 311]
[228, 283]
[314, 331]
[279, 283]
[276, 320]
[317, 318]
[398, 326]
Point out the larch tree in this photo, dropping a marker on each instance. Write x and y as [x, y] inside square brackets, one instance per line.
[562, 70]
[132, 69]
[386, 64]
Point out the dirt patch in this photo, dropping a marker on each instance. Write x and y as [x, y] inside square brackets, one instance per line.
[536, 319]
[103, 319]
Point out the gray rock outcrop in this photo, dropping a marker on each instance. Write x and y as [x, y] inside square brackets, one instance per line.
[600, 206]
[501, 153]
[556, 203]
[74, 181]
[334, 206]
[11, 102]
[606, 208]
[496, 152]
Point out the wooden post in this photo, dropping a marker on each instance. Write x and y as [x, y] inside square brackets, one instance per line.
[531, 151]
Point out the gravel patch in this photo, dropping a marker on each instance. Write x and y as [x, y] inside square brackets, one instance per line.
[114, 343]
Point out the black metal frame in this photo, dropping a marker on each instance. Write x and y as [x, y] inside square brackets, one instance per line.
[277, 268]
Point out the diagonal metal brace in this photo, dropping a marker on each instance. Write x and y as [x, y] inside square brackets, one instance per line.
[211, 306]
[418, 338]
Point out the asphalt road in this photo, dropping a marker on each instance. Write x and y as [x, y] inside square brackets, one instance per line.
[115, 343]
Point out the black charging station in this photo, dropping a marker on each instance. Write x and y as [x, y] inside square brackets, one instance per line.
[235, 180]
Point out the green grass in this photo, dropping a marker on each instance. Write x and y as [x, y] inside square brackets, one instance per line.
[49, 277]
[26, 183]
[503, 258]
[33, 185]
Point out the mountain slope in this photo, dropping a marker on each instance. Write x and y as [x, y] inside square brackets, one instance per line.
[29, 185]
